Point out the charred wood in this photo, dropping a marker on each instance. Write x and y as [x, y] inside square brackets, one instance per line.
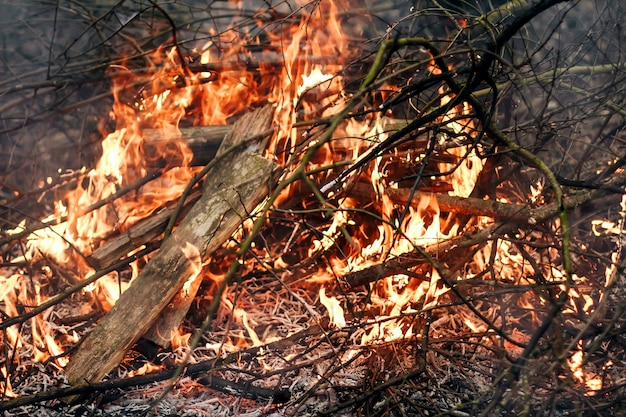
[452, 204]
[203, 141]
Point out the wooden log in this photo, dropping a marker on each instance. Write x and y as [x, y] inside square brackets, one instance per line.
[236, 185]
[171, 317]
[203, 141]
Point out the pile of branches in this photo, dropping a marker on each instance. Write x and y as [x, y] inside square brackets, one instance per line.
[547, 122]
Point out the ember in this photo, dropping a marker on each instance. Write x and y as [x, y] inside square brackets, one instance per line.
[316, 215]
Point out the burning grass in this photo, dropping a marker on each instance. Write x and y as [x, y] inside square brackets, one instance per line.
[407, 262]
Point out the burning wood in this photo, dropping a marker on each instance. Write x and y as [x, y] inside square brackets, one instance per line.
[203, 141]
[225, 204]
[139, 234]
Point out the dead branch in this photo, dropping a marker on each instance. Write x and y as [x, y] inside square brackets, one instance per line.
[452, 204]
[195, 370]
[443, 250]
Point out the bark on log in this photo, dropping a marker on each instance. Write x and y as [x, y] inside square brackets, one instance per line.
[239, 181]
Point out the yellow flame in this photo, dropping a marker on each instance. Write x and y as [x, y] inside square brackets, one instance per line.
[193, 255]
[5, 384]
[145, 369]
[335, 311]
[241, 315]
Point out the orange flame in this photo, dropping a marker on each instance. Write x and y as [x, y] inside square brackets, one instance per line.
[576, 364]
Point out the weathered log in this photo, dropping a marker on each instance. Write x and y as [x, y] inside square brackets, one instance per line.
[203, 141]
[172, 315]
[236, 185]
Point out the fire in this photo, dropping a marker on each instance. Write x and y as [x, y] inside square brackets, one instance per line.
[355, 233]
[167, 95]
[193, 254]
[5, 384]
[242, 316]
[421, 225]
[335, 311]
[576, 364]
[146, 368]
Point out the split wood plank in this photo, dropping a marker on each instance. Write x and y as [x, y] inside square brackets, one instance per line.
[236, 185]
